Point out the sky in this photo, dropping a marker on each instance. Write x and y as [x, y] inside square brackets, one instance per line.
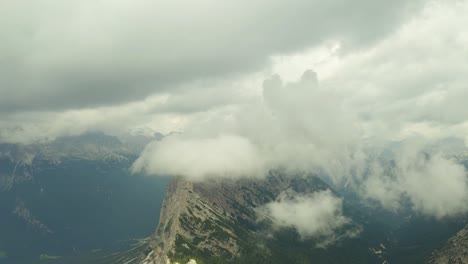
[336, 88]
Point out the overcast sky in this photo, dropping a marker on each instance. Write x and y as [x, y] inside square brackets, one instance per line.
[302, 84]
[160, 62]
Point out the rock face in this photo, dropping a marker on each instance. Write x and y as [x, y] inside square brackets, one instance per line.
[455, 251]
[217, 219]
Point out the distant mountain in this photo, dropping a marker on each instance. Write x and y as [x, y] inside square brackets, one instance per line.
[137, 142]
[17, 162]
[90, 146]
[74, 200]
[70, 196]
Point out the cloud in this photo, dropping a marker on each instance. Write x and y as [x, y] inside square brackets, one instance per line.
[302, 127]
[121, 66]
[82, 54]
[297, 126]
[308, 126]
[33, 127]
[317, 215]
[433, 185]
[224, 156]
[399, 89]
[413, 76]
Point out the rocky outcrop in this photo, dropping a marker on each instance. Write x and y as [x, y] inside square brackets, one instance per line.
[455, 251]
[217, 219]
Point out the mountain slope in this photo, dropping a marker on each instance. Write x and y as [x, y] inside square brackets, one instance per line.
[225, 222]
[455, 251]
[217, 222]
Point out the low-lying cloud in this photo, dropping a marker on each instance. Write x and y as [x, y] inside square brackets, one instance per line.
[318, 215]
[198, 159]
[433, 185]
[302, 127]
[298, 126]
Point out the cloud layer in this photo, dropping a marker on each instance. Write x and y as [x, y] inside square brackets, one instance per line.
[301, 127]
[58, 55]
[200, 159]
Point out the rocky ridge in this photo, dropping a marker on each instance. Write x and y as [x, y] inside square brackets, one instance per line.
[217, 220]
[18, 162]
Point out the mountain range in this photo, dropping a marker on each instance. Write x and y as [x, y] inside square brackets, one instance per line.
[74, 200]
[74, 196]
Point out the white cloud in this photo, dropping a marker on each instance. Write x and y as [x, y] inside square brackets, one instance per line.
[197, 159]
[318, 215]
[416, 75]
[297, 126]
[300, 126]
[433, 185]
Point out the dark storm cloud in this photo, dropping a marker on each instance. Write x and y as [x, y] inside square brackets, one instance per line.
[62, 55]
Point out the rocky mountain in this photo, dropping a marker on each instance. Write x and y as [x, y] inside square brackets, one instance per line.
[89, 146]
[218, 222]
[455, 251]
[17, 161]
[137, 142]
[223, 222]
